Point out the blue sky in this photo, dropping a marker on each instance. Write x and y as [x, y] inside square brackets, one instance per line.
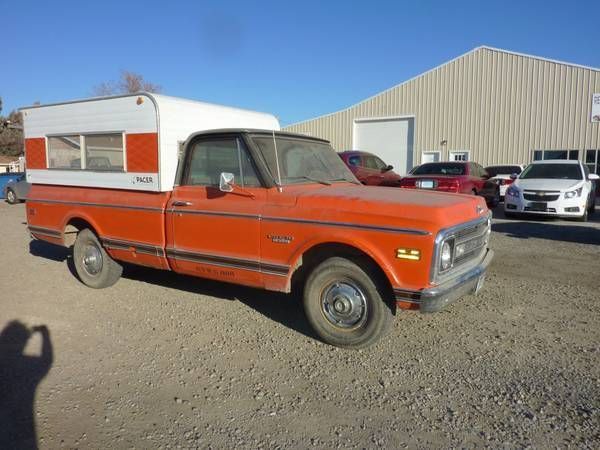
[295, 59]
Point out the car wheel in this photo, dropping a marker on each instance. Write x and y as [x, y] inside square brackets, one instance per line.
[584, 217]
[93, 264]
[495, 200]
[345, 305]
[11, 197]
[592, 208]
[510, 215]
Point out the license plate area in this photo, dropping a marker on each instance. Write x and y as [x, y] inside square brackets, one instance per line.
[426, 184]
[538, 206]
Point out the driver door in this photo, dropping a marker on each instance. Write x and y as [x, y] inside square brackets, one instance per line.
[215, 234]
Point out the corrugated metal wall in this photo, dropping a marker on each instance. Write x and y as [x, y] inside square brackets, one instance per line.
[499, 105]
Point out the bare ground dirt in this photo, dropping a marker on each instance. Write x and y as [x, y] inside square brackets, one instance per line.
[161, 360]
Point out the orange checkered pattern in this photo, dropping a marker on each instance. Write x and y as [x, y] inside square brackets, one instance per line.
[35, 153]
[142, 152]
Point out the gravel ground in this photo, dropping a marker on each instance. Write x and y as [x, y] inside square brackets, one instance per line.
[161, 360]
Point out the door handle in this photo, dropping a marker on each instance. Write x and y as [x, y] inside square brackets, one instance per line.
[181, 203]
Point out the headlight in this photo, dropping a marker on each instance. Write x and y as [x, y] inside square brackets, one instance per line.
[512, 191]
[575, 193]
[446, 255]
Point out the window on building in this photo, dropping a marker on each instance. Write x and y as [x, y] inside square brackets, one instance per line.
[539, 155]
[212, 157]
[459, 156]
[64, 152]
[592, 161]
[104, 152]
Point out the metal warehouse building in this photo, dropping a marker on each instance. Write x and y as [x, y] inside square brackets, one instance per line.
[489, 105]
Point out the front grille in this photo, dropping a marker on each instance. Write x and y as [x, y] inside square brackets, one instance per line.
[541, 196]
[473, 238]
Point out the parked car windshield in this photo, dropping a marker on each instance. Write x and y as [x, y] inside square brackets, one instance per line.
[448, 168]
[494, 171]
[302, 160]
[553, 171]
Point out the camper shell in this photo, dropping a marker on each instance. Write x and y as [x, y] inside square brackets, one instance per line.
[130, 141]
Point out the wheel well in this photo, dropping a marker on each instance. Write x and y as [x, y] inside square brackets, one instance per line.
[319, 253]
[73, 227]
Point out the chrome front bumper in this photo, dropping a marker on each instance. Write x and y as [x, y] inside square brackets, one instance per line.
[437, 298]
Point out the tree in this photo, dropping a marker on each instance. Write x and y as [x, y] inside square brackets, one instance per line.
[11, 133]
[129, 82]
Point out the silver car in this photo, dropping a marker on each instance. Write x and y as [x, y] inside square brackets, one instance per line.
[17, 191]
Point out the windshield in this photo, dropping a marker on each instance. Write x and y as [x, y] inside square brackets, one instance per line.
[554, 171]
[302, 160]
[440, 169]
[494, 171]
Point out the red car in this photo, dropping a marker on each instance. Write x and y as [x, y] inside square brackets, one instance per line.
[459, 177]
[370, 169]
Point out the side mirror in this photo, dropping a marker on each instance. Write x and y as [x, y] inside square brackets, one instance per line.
[387, 168]
[226, 182]
[514, 176]
[593, 177]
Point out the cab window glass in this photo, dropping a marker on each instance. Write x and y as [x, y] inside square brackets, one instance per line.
[373, 162]
[211, 157]
[354, 160]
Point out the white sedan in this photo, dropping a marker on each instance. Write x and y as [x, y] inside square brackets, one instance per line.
[561, 188]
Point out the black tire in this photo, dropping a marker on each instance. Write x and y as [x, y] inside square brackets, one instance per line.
[510, 215]
[94, 266]
[584, 217]
[11, 197]
[592, 208]
[340, 282]
[495, 200]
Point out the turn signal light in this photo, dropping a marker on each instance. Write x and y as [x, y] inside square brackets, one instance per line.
[408, 253]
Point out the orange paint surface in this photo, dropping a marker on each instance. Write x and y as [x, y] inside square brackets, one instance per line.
[142, 152]
[35, 153]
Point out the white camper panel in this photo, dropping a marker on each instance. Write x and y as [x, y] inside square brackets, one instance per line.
[172, 119]
[179, 118]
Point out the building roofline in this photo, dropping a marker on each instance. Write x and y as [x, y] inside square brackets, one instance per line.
[481, 47]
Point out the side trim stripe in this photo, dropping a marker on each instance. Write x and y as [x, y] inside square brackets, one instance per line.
[98, 205]
[148, 249]
[45, 231]
[304, 221]
[223, 261]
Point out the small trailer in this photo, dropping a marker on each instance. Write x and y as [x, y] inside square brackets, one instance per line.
[220, 193]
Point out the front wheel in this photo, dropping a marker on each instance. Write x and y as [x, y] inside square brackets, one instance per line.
[345, 304]
[11, 197]
[93, 264]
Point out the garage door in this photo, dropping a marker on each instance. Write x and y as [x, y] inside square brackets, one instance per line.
[389, 138]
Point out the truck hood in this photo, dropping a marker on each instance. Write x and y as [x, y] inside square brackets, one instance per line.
[387, 206]
[543, 184]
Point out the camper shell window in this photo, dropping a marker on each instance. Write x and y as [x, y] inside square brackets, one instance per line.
[94, 152]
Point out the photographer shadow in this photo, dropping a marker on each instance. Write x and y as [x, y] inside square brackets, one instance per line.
[20, 375]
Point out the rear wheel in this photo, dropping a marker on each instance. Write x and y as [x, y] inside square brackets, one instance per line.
[93, 264]
[345, 304]
[11, 197]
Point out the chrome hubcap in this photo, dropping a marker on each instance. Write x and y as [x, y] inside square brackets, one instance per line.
[11, 196]
[344, 304]
[92, 259]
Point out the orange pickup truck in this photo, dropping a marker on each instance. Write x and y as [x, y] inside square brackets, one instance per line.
[254, 207]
